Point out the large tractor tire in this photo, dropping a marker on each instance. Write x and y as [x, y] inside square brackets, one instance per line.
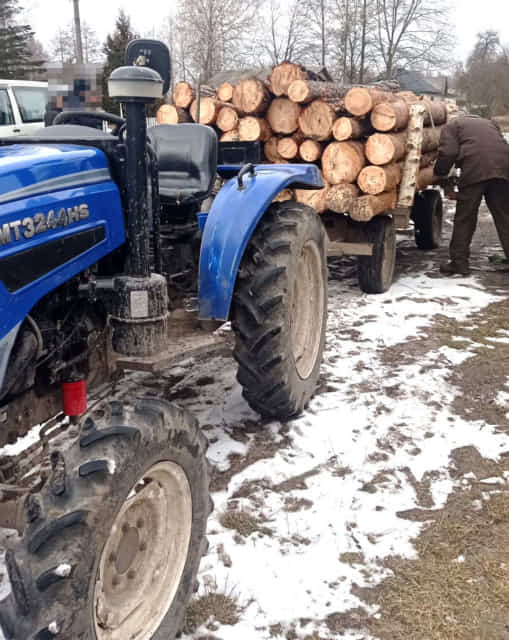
[376, 272]
[115, 537]
[279, 311]
[427, 214]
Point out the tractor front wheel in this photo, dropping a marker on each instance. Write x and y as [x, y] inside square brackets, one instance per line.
[279, 311]
[115, 536]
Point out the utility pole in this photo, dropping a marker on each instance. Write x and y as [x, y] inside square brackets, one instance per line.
[77, 32]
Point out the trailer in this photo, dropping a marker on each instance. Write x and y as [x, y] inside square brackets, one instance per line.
[417, 210]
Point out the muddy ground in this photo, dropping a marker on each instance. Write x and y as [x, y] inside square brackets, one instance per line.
[383, 512]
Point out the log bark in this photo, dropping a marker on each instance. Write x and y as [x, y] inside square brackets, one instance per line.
[374, 180]
[169, 114]
[430, 138]
[283, 75]
[225, 92]
[367, 207]
[227, 119]
[428, 159]
[271, 152]
[360, 101]
[305, 91]
[283, 116]
[346, 128]
[310, 150]
[251, 97]
[343, 161]
[390, 116]
[413, 158]
[314, 198]
[426, 178]
[252, 128]
[288, 147]
[230, 136]
[208, 110]
[384, 148]
[316, 120]
[183, 95]
[341, 197]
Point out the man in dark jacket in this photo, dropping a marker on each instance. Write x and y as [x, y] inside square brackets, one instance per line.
[478, 148]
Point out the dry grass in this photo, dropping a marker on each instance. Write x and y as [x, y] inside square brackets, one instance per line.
[210, 609]
[437, 597]
[244, 523]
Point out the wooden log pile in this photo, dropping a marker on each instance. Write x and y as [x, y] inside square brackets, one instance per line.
[360, 136]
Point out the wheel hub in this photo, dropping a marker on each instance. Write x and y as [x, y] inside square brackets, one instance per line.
[307, 309]
[144, 556]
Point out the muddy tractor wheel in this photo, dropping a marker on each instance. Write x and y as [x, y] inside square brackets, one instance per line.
[427, 214]
[115, 536]
[376, 272]
[279, 311]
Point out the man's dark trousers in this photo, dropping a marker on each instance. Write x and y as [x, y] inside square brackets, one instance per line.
[496, 194]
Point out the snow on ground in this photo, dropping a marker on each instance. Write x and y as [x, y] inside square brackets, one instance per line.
[327, 493]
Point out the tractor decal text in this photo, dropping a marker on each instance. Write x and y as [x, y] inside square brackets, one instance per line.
[26, 228]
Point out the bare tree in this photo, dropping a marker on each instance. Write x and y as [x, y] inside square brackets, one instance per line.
[283, 32]
[411, 32]
[216, 34]
[62, 46]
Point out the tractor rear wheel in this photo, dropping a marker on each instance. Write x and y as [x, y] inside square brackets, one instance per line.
[427, 214]
[279, 311]
[115, 537]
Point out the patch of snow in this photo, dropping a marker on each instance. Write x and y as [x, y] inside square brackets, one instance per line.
[63, 570]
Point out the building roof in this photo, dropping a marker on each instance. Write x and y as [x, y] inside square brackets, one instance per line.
[415, 81]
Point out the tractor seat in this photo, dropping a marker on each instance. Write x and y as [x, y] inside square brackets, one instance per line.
[187, 155]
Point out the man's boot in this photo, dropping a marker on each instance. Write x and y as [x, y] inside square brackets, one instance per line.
[453, 268]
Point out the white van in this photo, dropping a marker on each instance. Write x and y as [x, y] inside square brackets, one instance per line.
[22, 106]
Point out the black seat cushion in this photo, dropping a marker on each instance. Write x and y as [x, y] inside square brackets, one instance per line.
[187, 155]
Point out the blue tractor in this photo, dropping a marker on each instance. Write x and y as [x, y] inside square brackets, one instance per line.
[104, 240]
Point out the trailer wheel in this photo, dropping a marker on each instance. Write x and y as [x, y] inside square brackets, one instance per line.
[115, 536]
[427, 214]
[279, 311]
[376, 272]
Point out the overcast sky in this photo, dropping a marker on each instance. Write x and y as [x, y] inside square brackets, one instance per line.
[469, 17]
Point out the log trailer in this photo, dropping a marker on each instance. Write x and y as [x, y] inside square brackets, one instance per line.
[104, 239]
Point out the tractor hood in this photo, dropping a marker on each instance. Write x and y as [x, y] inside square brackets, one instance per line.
[32, 169]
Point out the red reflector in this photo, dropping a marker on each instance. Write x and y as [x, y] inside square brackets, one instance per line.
[74, 396]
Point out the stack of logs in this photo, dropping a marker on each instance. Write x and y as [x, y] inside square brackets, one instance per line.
[357, 135]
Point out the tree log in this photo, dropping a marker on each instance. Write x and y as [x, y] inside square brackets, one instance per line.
[390, 116]
[310, 150]
[208, 110]
[283, 75]
[431, 138]
[305, 91]
[343, 161]
[183, 94]
[315, 198]
[225, 92]
[283, 116]
[367, 207]
[346, 128]
[227, 119]
[360, 101]
[271, 152]
[341, 197]
[426, 178]
[284, 196]
[252, 128]
[251, 96]
[384, 148]
[169, 114]
[374, 180]
[288, 147]
[230, 136]
[316, 120]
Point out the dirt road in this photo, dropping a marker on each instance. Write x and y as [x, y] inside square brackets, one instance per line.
[383, 511]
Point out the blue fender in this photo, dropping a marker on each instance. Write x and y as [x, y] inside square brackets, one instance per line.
[232, 219]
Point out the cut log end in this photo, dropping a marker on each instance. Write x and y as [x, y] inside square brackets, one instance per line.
[208, 111]
[225, 92]
[169, 114]
[288, 148]
[283, 75]
[310, 150]
[300, 92]
[316, 120]
[250, 96]
[343, 161]
[375, 180]
[366, 208]
[183, 95]
[252, 129]
[283, 116]
[227, 119]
